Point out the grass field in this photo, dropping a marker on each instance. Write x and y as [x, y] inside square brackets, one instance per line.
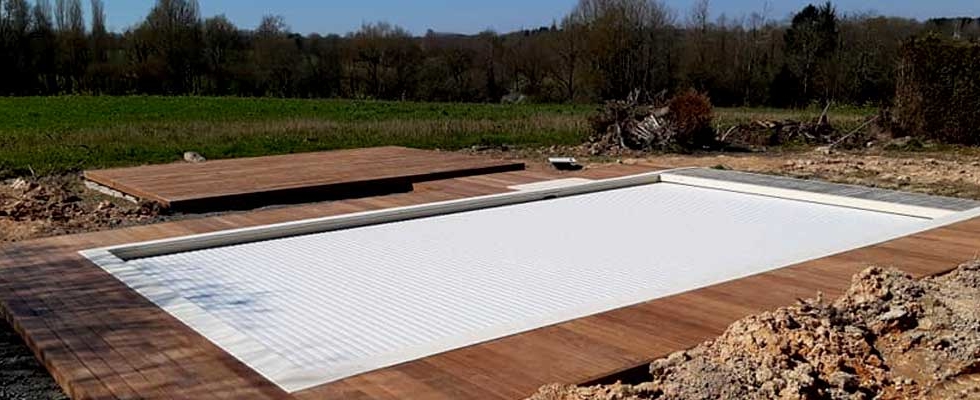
[60, 134]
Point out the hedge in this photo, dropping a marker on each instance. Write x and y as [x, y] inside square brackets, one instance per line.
[938, 91]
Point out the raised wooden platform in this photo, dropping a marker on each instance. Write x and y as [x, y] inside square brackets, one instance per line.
[101, 340]
[294, 178]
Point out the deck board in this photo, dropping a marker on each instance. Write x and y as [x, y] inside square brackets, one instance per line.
[293, 178]
[101, 340]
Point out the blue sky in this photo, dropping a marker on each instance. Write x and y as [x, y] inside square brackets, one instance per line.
[469, 16]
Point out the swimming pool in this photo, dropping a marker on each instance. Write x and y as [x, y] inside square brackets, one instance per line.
[310, 302]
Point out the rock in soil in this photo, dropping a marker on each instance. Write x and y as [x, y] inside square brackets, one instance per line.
[60, 205]
[889, 337]
[194, 157]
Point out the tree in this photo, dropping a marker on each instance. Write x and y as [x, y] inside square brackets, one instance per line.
[811, 42]
[74, 53]
[865, 66]
[387, 56]
[276, 57]
[630, 44]
[100, 36]
[451, 68]
[603, 49]
[568, 49]
[172, 32]
[322, 71]
[526, 56]
[222, 45]
[104, 75]
[43, 48]
[491, 55]
[698, 63]
[16, 57]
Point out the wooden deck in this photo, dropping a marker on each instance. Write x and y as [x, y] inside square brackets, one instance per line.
[295, 178]
[101, 340]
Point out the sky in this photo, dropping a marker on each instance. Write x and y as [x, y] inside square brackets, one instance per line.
[471, 16]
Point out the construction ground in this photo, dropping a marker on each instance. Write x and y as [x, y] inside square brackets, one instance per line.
[888, 336]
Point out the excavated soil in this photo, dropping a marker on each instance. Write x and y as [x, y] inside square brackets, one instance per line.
[32, 208]
[888, 337]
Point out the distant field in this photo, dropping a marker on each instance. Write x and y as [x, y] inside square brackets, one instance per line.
[61, 134]
[71, 133]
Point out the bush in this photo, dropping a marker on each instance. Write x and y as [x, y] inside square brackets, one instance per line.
[938, 91]
[692, 115]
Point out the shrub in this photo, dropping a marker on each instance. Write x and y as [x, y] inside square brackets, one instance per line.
[692, 115]
[938, 91]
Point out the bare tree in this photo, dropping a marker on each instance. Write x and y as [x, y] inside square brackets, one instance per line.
[276, 57]
[700, 71]
[221, 41]
[44, 47]
[630, 44]
[100, 36]
[173, 32]
[16, 57]
[568, 47]
[527, 59]
[491, 51]
[386, 54]
[74, 50]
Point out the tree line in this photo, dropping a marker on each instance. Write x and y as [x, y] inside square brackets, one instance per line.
[602, 49]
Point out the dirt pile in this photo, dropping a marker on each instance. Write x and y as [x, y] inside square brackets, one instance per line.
[53, 206]
[888, 337]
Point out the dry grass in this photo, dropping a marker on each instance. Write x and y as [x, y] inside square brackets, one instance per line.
[843, 118]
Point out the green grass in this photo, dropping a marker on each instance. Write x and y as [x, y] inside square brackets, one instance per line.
[49, 135]
[60, 134]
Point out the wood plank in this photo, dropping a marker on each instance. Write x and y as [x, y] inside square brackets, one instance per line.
[288, 179]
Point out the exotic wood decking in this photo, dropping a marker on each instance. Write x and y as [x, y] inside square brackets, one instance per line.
[101, 340]
[294, 178]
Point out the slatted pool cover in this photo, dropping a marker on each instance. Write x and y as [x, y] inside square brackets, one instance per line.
[308, 310]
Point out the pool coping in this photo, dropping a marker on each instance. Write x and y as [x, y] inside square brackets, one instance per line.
[528, 194]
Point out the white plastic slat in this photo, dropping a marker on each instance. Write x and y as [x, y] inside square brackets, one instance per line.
[311, 309]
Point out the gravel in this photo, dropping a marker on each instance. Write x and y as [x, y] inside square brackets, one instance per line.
[21, 376]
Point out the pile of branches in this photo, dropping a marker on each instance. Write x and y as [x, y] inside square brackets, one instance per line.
[816, 132]
[680, 123]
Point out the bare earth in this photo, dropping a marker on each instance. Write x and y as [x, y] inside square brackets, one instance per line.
[890, 337]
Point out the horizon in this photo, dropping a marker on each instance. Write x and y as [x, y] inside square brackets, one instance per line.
[309, 16]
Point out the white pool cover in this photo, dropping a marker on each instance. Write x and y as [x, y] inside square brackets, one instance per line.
[308, 310]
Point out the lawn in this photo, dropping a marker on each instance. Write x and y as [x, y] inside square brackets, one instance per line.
[61, 134]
